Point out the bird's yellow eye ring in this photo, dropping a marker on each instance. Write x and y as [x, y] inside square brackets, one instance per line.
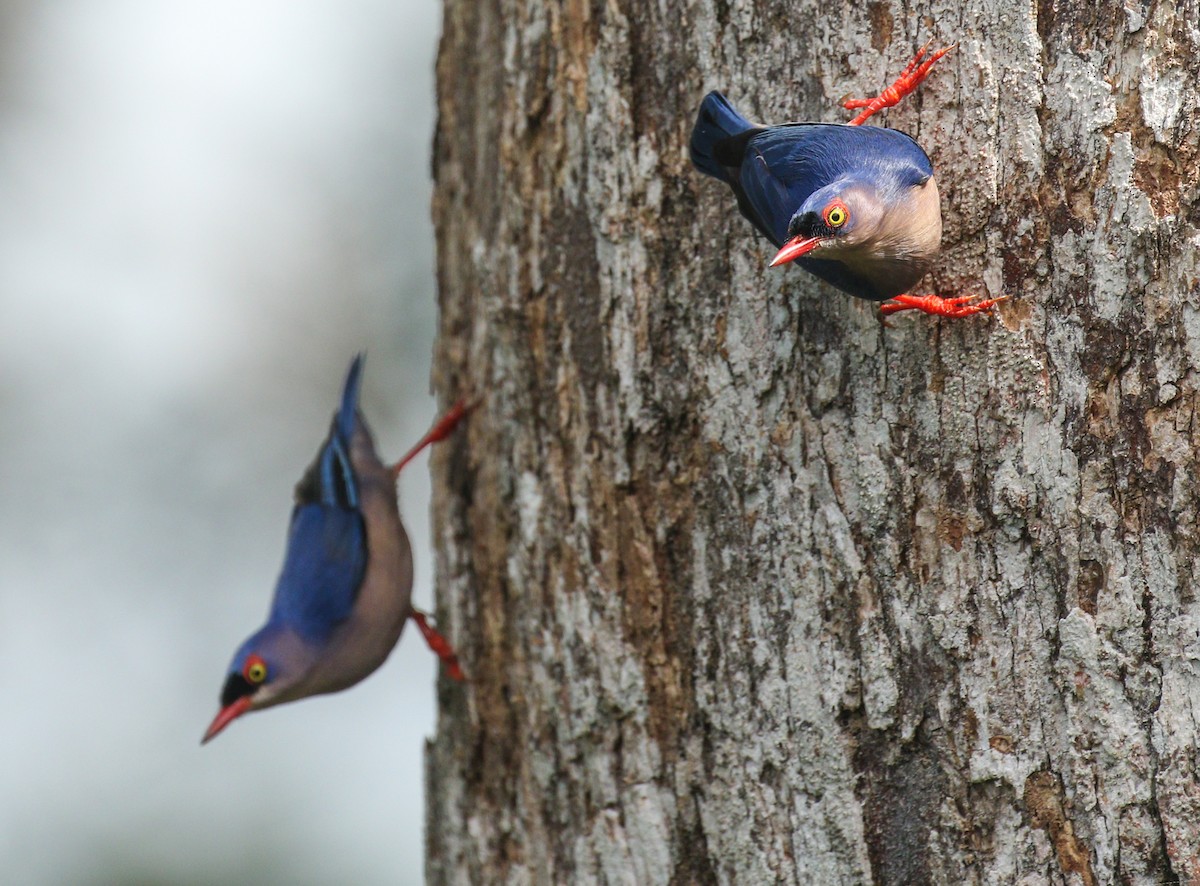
[836, 214]
[255, 669]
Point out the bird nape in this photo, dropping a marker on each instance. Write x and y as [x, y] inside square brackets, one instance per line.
[855, 205]
[345, 591]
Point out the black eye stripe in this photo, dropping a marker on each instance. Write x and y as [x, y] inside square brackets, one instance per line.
[236, 686]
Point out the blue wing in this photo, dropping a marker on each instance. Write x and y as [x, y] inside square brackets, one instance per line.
[783, 165]
[322, 570]
[327, 546]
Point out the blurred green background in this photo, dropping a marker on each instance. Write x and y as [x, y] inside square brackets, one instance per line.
[205, 210]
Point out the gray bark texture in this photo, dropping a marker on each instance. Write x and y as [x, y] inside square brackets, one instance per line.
[752, 588]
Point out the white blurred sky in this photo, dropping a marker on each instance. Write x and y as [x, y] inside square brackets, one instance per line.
[205, 210]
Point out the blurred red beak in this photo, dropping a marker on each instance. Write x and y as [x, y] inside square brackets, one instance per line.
[226, 716]
[795, 248]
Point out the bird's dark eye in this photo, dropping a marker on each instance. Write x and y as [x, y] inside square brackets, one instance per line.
[255, 670]
[836, 214]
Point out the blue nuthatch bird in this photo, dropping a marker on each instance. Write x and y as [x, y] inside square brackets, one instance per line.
[345, 592]
[855, 205]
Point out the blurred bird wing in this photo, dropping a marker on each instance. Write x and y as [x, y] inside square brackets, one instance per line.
[327, 545]
[322, 570]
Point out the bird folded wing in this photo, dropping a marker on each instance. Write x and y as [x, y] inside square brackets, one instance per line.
[322, 570]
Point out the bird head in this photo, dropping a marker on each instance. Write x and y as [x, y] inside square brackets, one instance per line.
[836, 220]
[269, 668]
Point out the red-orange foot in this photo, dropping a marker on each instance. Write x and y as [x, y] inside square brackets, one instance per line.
[439, 644]
[909, 78]
[943, 307]
[440, 431]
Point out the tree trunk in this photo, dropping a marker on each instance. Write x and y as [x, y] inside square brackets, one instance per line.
[752, 588]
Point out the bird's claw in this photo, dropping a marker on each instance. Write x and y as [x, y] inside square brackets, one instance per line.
[960, 306]
[439, 645]
[914, 72]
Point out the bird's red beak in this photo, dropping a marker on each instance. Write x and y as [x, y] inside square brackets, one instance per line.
[795, 248]
[225, 716]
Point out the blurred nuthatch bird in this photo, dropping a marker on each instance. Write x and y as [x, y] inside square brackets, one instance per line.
[855, 205]
[345, 592]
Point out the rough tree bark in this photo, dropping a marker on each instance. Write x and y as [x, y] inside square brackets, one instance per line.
[753, 589]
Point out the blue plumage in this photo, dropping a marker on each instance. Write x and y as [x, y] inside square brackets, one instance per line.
[855, 205]
[785, 165]
[344, 593]
[717, 122]
[334, 484]
[322, 571]
[786, 177]
[327, 544]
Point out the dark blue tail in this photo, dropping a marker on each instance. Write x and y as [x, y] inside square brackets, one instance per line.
[345, 416]
[331, 479]
[716, 122]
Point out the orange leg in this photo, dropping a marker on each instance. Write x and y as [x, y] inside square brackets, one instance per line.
[439, 644]
[943, 307]
[909, 78]
[440, 431]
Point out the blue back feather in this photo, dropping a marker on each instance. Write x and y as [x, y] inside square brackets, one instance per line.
[784, 165]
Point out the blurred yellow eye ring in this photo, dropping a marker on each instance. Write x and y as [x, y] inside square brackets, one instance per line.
[255, 670]
[836, 215]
